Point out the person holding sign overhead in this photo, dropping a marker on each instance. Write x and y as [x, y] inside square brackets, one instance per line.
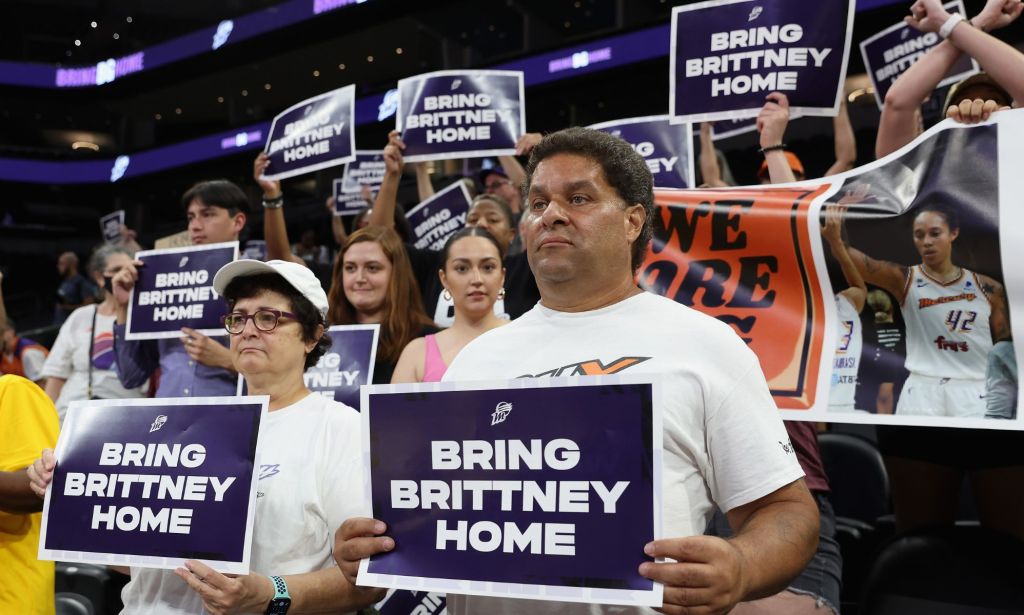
[195, 365]
[591, 204]
[900, 122]
[310, 455]
[472, 277]
[489, 211]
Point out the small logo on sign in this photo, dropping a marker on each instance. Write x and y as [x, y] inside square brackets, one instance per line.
[905, 34]
[501, 412]
[755, 13]
[224, 29]
[120, 167]
[456, 83]
[158, 422]
[181, 263]
[269, 469]
[388, 106]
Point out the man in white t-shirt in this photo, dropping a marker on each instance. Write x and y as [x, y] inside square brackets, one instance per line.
[590, 198]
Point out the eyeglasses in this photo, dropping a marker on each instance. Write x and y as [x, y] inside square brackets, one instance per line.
[265, 320]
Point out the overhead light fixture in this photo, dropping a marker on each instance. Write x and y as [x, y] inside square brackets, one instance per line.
[369, 59]
[77, 145]
[93, 24]
[158, 117]
[78, 43]
[128, 19]
[266, 86]
[220, 99]
[245, 92]
[341, 67]
[177, 110]
[316, 73]
[116, 36]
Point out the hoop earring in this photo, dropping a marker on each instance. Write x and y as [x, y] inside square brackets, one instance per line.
[447, 295]
[501, 293]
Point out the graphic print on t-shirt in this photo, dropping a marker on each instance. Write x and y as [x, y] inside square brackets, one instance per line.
[591, 367]
[103, 350]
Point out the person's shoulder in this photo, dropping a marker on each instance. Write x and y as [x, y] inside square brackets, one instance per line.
[19, 387]
[83, 313]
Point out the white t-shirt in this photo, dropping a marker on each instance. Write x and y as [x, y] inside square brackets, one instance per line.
[69, 359]
[948, 334]
[724, 439]
[310, 482]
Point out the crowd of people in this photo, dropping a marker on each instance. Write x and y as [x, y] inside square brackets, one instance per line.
[539, 280]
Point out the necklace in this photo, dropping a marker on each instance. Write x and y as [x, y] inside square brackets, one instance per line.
[934, 276]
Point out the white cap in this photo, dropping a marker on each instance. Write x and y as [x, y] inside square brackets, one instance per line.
[299, 276]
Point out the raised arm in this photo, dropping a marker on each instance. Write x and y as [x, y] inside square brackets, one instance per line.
[884, 274]
[424, 187]
[999, 321]
[771, 123]
[710, 171]
[899, 123]
[845, 141]
[275, 230]
[832, 231]
[1001, 61]
[383, 212]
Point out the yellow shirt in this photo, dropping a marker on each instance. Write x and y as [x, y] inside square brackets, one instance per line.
[28, 424]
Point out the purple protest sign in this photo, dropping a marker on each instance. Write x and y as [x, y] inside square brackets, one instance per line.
[727, 55]
[366, 170]
[153, 482]
[461, 114]
[667, 147]
[110, 225]
[723, 129]
[175, 290]
[437, 218]
[312, 135]
[544, 489]
[344, 368]
[889, 54]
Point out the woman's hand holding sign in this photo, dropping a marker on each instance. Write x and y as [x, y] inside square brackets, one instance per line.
[224, 594]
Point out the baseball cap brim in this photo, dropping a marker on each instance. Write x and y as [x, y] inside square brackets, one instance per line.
[298, 276]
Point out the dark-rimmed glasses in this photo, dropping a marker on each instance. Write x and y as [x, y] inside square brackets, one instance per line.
[266, 320]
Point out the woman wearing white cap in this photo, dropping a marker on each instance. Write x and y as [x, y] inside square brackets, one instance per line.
[309, 453]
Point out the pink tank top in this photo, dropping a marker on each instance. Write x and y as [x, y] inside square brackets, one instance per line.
[433, 364]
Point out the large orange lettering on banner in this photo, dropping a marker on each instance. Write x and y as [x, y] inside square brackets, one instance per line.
[744, 256]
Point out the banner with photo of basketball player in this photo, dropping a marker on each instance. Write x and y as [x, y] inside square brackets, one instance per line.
[881, 295]
[727, 55]
[889, 54]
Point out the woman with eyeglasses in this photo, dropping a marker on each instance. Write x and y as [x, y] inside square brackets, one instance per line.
[472, 278]
[82, 363]
[276, 321]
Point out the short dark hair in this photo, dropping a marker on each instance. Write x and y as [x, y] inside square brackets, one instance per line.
[469, 231]
[624, 169]
[307, 315]
[948, 214]
[218, 193]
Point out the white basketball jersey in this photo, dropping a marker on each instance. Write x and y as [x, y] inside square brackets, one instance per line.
[948, 334]
[846, 363]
